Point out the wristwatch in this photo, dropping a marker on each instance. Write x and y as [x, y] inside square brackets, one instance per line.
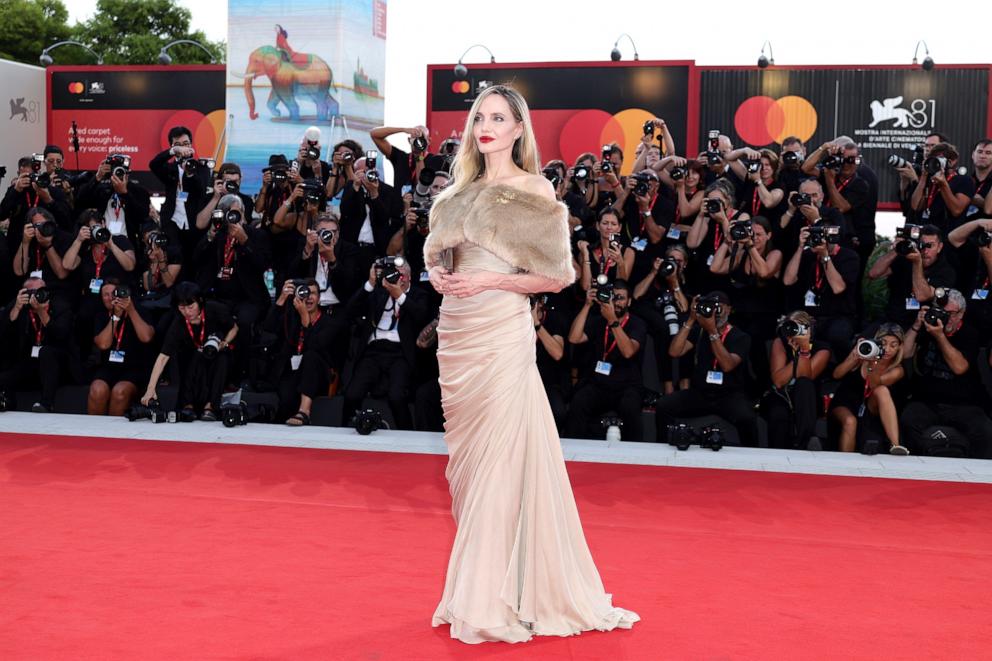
[825, 259]
[714, 337]
[615, 324]
[537, 327]
[646, 214]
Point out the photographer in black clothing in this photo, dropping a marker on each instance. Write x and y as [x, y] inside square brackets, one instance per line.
[976, 237]
[303, 355]
[39, 255]
[914, 265]
[368, 211]
[198, 339]
[122, 202]
[227, 182]
[946, 387]
[942, 196]
[160, 264]
[550, 330]
[331, 261]
[186, 180]
[30, 189]
[837, 165]
[719, 376]
[981, 176]
[409, 239]
[803, 209]
[388, 315]
[821, 278]
[343, 159]
[122, 338]
[407, 165]
[709, 230]
[36, 337]
[792, 156]
[612, 380]
[308, 163]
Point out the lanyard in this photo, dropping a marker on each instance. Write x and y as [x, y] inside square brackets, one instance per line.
[818, 275]
[27, 198]
[99, 258]
[37, 256]
[723, 336]
[840, 189]
[203, 329]
[981, 184]
[115, 204]
[867, 392]
[756, 203]
[606, 335]
[36, 324]
[119, 334]
[228, 251]
[654, 199]
[605, 263]
[313, 322]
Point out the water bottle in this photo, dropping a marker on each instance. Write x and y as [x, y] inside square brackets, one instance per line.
[270, 283]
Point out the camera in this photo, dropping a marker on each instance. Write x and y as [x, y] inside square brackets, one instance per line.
[210, 347]
[422, 210]
[234, 415]
[311, 191]
[752, 166]
[551, 174]
[666, 303]
[712, 205]
[799, 199]
[934, 164]
[822, 234]
[325, 236]
[151, 412]
[649, 127]
[190, 165]
[641, 187]
[741, 230]
[45, 228]
[606, 165]
[231, 187]
[668, 268]
[122, 291]
[370, 164]
[388, 269]
[713, 140]
[218, 219]
[302, 290]
[279, 175]
[911, 239]
[367, 421]
[791, 159]
[983, 238]
[419, 144]
[159, 239]
[832, 162]
[678, 173]
[682, 436]
[936, 311]
[120, 165]
[41, 295]
[790, 328]
[869, 350]
[706, 307]
[711, 437]
[581, 173]
[604, 288]
[312, 150]
[99, 234]
[897, 161]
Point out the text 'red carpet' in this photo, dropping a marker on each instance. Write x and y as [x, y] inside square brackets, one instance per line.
[114, 549]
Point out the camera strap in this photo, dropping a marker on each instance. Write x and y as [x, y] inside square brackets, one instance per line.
[37, 326]
[840, 188]
[605, 263]
[313, 322]
[932, 191]
[723, 336]
[119, 333]
[37, 256]
[27, 198]
[228, 250]
[203, 329]
[755, 202]
[99, 257]
[606, 336]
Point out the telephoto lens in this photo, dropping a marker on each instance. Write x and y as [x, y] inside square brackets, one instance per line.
[706, 307]
[712, 206]
[325, 236]
[897, 161]
[303, 292]
[678, 173]
[790, 328]
[869, 350]
[100, 234]
[41, 295]
[210, 347]
[668, 268]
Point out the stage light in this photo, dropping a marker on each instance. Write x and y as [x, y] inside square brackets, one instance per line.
[46, 59]
[166, 59]
[461, 71]
[927, 61]
[764, 61]
[615, 53]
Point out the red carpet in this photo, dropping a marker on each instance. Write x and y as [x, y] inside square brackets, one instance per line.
[142, 550]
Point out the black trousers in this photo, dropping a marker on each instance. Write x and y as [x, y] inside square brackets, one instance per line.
[592, 399]
[44, 373]
[669, 369]
[734, 407]
[311, 379]
[972, 421]
[384, 365]
[427, 407]
[248, 315]
[791, 426]
[203, 381]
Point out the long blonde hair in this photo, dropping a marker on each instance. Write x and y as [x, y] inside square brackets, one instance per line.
[469, 163]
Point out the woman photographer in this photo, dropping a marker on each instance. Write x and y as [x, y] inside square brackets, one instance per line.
[864, 394]
[797, 361]
[122, 337]
[198, 339]
[581, 188]
[709, 231]
[303, 357]
[661, 299]
[761, 194]
[609, 257]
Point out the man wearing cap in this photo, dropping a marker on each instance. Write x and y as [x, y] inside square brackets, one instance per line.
[718, 385]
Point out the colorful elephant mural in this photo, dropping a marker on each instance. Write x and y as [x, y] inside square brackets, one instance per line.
[305, 75]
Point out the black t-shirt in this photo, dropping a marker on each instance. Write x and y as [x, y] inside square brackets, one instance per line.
[736, 342]
[109, 268]
[857, 192]
[982, 188]
[123, 339]
[900, 285]
[812, 278]
[624, 372]
[934, 382]
[552, 371]
[178, 339]
[403, 167]
[935, 210]
[750, 201]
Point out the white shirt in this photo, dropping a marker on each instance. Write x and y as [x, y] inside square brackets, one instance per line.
[392, 307]
[179, 216]
[114, 220]
[365, 234]
[327, 295]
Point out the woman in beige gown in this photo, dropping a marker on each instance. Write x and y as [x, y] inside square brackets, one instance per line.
[519, 565]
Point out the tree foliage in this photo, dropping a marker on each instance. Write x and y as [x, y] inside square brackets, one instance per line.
[122, 31]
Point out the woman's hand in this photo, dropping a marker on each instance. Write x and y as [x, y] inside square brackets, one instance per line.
[439, 279]
[149, 395]
[464, 285]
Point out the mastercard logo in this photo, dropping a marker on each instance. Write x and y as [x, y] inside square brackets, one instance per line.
[589, 130]
[76, 88]
[762, 120]
[460, 87]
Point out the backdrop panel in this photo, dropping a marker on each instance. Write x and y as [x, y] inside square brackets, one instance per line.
[22, 131]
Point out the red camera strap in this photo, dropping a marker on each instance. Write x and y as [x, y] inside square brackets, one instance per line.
[723, 336]
[203, 329]
[606, 336]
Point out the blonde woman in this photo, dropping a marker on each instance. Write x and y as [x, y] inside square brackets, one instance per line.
[519, 564]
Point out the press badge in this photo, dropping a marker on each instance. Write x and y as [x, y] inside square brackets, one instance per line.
[925, 215]
[971, 210]
[36, 351]
[912, 303]
[425, 276]
[674, 233]
[116, 356]
[603, 367]
[294, 361]
[714, 377]
[709, 260]
[812, 300]
[36, 274]
[225, 272]
[861, 411]
[638, 244]
[980, 295]
[182, 196]
[95, 285]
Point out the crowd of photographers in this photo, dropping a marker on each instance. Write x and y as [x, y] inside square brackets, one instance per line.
[745, 268]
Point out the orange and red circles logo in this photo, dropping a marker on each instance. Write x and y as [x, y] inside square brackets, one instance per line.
[589, 130]
[76, 88]
[762, 120]
[460, 87]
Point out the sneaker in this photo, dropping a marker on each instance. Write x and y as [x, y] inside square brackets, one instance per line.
[814, 444]
[38, 407]
[901, 450]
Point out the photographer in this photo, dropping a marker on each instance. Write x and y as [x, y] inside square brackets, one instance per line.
[821, 278]
[227, 182]
[37, 343]
[303, 356]
[26, 192]
[186, 181]
[582, 189]
[846, 190]
[610, 257]
[909, 174]
[198, 340]
[804, 209]
[278, 183]
[981, 177]
[40, 256]
[308, 164]
[913, 268]
[343, 159]
[864, 395]
[409, 239]
[122, 338]
[661, 300]
[709, 230]
[613, 381]
[550, 330]
[58, 183]
[946, 388]
[609, 182]
[761, 193]
[388, 316]
[942, 196]
[790, 173]
[719, 378]
[162, 261]
[407, 165]
[796, 364]
[368, 208]
[122, 203]
[685, 178]
[644, 214]
[978, 235]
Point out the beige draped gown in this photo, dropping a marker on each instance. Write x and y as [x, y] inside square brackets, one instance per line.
[519, 565]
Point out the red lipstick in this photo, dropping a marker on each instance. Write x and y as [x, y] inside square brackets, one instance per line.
[486, 138]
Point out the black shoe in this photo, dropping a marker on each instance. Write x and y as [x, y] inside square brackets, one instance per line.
[38, 407]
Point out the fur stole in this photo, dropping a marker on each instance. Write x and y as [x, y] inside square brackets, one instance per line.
[525, 230]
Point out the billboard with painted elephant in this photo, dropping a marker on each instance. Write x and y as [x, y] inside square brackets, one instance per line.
[302, 63]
